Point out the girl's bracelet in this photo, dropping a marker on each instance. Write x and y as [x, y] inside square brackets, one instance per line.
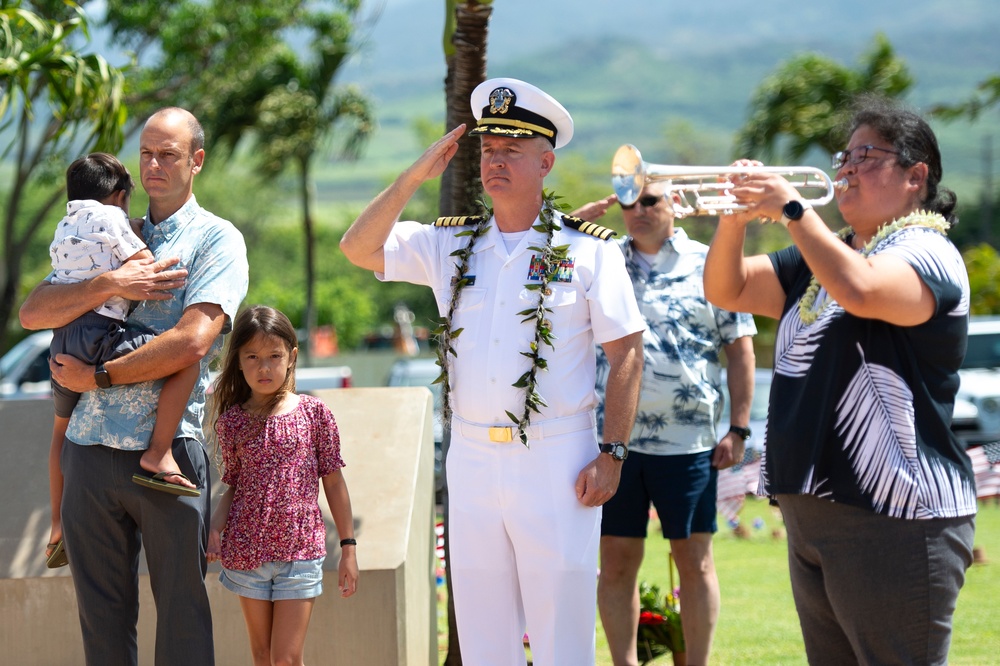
[348, 542]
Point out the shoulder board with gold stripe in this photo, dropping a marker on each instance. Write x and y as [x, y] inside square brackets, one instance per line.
[588, 227]
[459, 221]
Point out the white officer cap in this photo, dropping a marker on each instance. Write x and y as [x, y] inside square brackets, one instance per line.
[509, 107]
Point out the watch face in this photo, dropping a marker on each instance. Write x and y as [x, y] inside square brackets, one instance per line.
[616, 450]
[102, 378]
[793, 210]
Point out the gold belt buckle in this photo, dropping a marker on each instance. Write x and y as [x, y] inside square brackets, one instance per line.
[500, 434]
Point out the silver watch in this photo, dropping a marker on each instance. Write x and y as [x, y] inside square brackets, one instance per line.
[616, 450]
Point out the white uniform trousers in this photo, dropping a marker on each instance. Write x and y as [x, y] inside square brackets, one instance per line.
[523, 549]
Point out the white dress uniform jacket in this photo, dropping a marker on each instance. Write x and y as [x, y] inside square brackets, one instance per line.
[591, 300]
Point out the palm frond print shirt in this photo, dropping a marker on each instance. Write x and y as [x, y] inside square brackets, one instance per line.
[860, 409]
[681, 399]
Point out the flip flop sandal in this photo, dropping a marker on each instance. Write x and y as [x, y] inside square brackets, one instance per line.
[156, 482]
[58, 556]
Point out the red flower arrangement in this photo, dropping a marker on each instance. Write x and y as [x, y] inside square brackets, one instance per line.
[659, 628]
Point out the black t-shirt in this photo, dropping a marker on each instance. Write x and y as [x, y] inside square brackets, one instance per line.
[860, 409]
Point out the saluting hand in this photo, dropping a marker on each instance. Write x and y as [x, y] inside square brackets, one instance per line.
[595, 209]
[435, 159]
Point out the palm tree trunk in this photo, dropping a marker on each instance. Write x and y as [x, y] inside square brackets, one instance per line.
[460, 190]
[460, 186]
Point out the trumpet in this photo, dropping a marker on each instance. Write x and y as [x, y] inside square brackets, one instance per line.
[700, 189]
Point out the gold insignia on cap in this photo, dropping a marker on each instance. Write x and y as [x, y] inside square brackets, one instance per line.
[501, 99]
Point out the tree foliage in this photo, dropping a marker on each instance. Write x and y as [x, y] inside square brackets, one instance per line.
[194, 52]
[289, 109]
[58, 102]
[983, 264]
[986, 96]
[805, 103]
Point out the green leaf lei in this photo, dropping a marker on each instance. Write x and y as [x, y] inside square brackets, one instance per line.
[445, 335]
[921, 218]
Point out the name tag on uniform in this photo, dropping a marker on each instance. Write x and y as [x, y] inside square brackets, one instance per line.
[469, 280]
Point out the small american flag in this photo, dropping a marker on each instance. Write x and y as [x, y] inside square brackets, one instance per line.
[734, 484]
[986, 467]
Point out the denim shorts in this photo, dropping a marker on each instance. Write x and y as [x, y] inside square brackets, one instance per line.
[276, 581]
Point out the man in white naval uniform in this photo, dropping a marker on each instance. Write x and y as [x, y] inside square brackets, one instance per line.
[525, 491]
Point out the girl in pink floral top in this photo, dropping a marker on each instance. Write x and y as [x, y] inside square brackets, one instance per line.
[268, 530]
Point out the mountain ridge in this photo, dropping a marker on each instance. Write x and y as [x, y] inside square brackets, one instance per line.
[628, 71]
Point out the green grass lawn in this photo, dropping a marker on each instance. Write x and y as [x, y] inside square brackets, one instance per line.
[758, 624]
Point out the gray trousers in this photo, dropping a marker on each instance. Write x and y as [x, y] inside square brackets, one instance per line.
[106, 518]
[870, 589]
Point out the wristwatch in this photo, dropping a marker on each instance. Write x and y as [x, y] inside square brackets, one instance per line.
[102, 377]
[616, 450]
[742, 432]
[793, 210]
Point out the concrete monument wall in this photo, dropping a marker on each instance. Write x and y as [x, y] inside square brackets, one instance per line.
[387, 444]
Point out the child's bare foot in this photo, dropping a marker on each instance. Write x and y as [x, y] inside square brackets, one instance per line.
[151, 462]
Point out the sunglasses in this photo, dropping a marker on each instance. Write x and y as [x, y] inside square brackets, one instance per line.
[856, 155]
[648, 201]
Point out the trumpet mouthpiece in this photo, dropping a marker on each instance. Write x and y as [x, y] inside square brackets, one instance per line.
[840, 185]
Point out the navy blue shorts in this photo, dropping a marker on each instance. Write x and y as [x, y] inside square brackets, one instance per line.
[681, 488]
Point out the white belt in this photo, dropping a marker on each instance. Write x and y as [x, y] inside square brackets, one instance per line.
[504, 434]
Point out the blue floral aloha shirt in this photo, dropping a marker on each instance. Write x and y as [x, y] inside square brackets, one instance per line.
[214, 254]
[681, 396]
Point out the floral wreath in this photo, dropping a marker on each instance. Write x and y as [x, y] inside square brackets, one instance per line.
[445, 334]
[921, 218]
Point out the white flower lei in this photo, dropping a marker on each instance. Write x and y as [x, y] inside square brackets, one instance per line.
[551, 257]
[921, 218]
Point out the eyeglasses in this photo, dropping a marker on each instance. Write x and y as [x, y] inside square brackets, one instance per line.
[856, 155]
[648, 201]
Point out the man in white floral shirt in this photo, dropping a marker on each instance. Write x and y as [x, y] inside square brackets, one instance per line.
[107, 517]
[675, 452]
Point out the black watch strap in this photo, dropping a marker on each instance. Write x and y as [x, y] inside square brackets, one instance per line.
[741, 431]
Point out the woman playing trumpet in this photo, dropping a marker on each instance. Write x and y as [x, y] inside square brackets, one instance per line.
[877, 494]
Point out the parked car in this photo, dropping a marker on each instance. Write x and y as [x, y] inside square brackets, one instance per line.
[24, 371]
[322, 377]
[976, 417]
[977, 410]
[423, 372]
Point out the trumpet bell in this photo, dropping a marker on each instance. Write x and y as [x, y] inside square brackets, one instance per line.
[628, 174]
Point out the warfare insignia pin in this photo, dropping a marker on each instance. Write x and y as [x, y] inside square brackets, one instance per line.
[500, 100]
